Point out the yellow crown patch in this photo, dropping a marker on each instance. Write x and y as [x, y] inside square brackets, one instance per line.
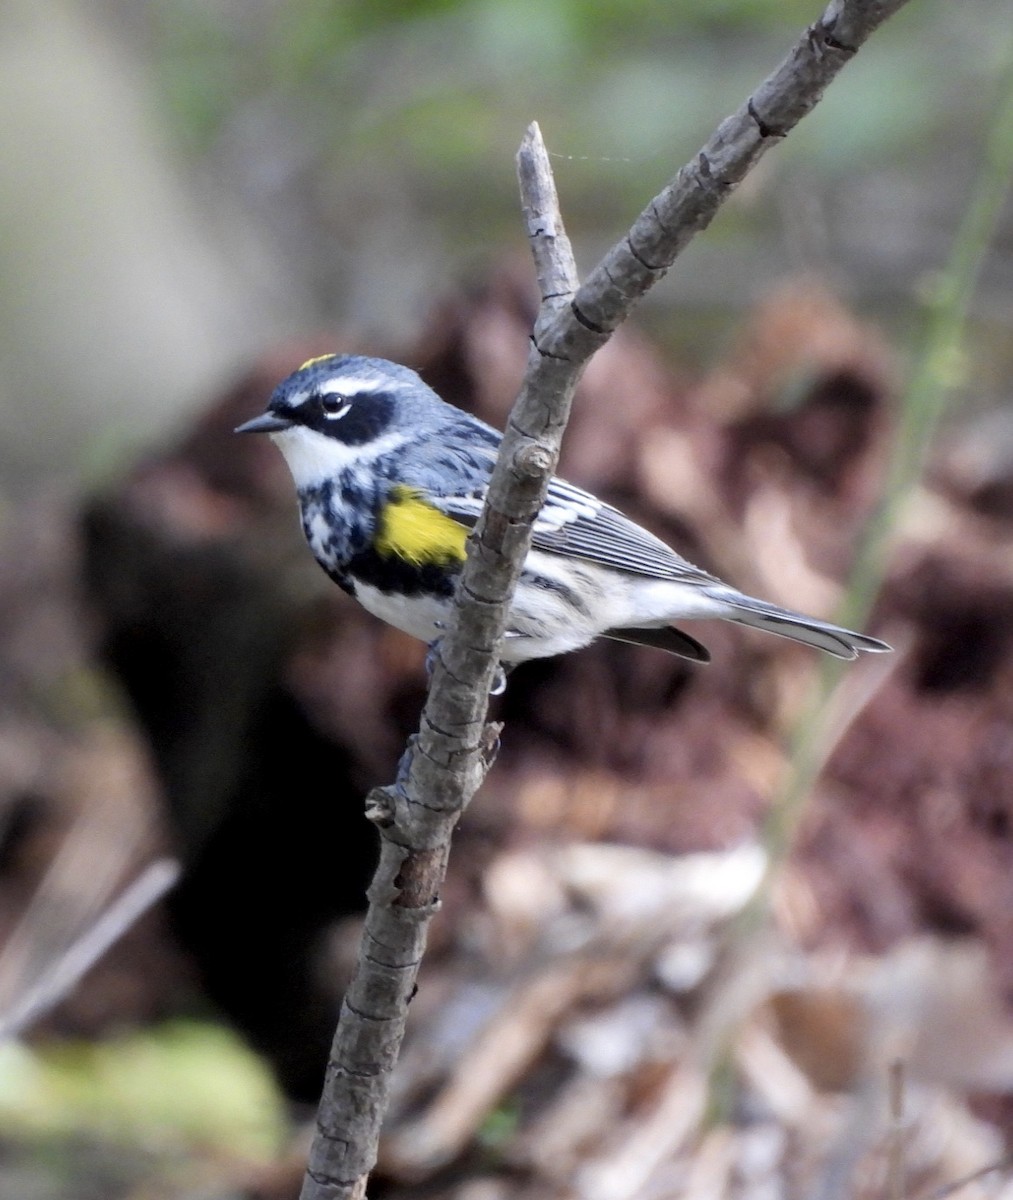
[413, 530]
[310, 361]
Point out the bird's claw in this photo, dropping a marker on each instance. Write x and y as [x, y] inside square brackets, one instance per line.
[381, 805]
[499, 679]
[432, 653]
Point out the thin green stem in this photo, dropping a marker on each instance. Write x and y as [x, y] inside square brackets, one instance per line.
[939, 367]
[936, 374]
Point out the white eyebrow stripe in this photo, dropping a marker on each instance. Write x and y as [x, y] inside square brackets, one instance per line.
[348, 385]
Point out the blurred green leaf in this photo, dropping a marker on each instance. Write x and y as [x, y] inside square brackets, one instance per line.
[182, 1082]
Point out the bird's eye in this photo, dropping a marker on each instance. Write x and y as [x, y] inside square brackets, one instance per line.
[334, 405]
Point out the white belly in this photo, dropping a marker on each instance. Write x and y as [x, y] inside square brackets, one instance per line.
[573, 603]
[423, 617]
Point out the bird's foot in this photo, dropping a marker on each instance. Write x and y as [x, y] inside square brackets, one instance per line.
[499, 679]
[432, 653]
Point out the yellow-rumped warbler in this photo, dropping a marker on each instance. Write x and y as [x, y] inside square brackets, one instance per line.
[391, 481]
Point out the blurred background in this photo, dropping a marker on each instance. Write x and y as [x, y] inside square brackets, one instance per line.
[659, 969]
[186, 184]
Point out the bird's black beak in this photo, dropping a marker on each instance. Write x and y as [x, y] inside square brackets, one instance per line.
[268, 422]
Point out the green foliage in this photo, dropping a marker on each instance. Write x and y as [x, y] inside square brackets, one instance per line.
[427, 101]
[180, 1086]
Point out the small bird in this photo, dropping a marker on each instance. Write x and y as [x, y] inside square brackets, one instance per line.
[391, 481]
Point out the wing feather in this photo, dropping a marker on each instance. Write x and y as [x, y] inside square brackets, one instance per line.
[572, 522]
[576, 524]
[613, 540]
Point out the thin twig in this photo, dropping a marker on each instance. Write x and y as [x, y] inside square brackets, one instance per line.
[64, 974]
[948, 1189]
[449, 757]
[896, 1168]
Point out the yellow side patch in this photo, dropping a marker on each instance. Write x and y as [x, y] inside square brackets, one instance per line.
[411, 529]
[310, 361]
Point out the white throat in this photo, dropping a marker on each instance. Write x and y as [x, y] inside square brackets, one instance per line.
[314, 458]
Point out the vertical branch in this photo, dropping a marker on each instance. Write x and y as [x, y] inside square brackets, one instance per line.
[895, 1167]
[448, 758]
[550, 247]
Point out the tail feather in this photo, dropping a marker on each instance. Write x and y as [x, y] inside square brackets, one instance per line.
[667, 637]
[834, 639]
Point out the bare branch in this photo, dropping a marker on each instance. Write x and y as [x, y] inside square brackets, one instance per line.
[65, 973]
[449, 757]
[443, 766]
[554, 265]
[688, 203]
